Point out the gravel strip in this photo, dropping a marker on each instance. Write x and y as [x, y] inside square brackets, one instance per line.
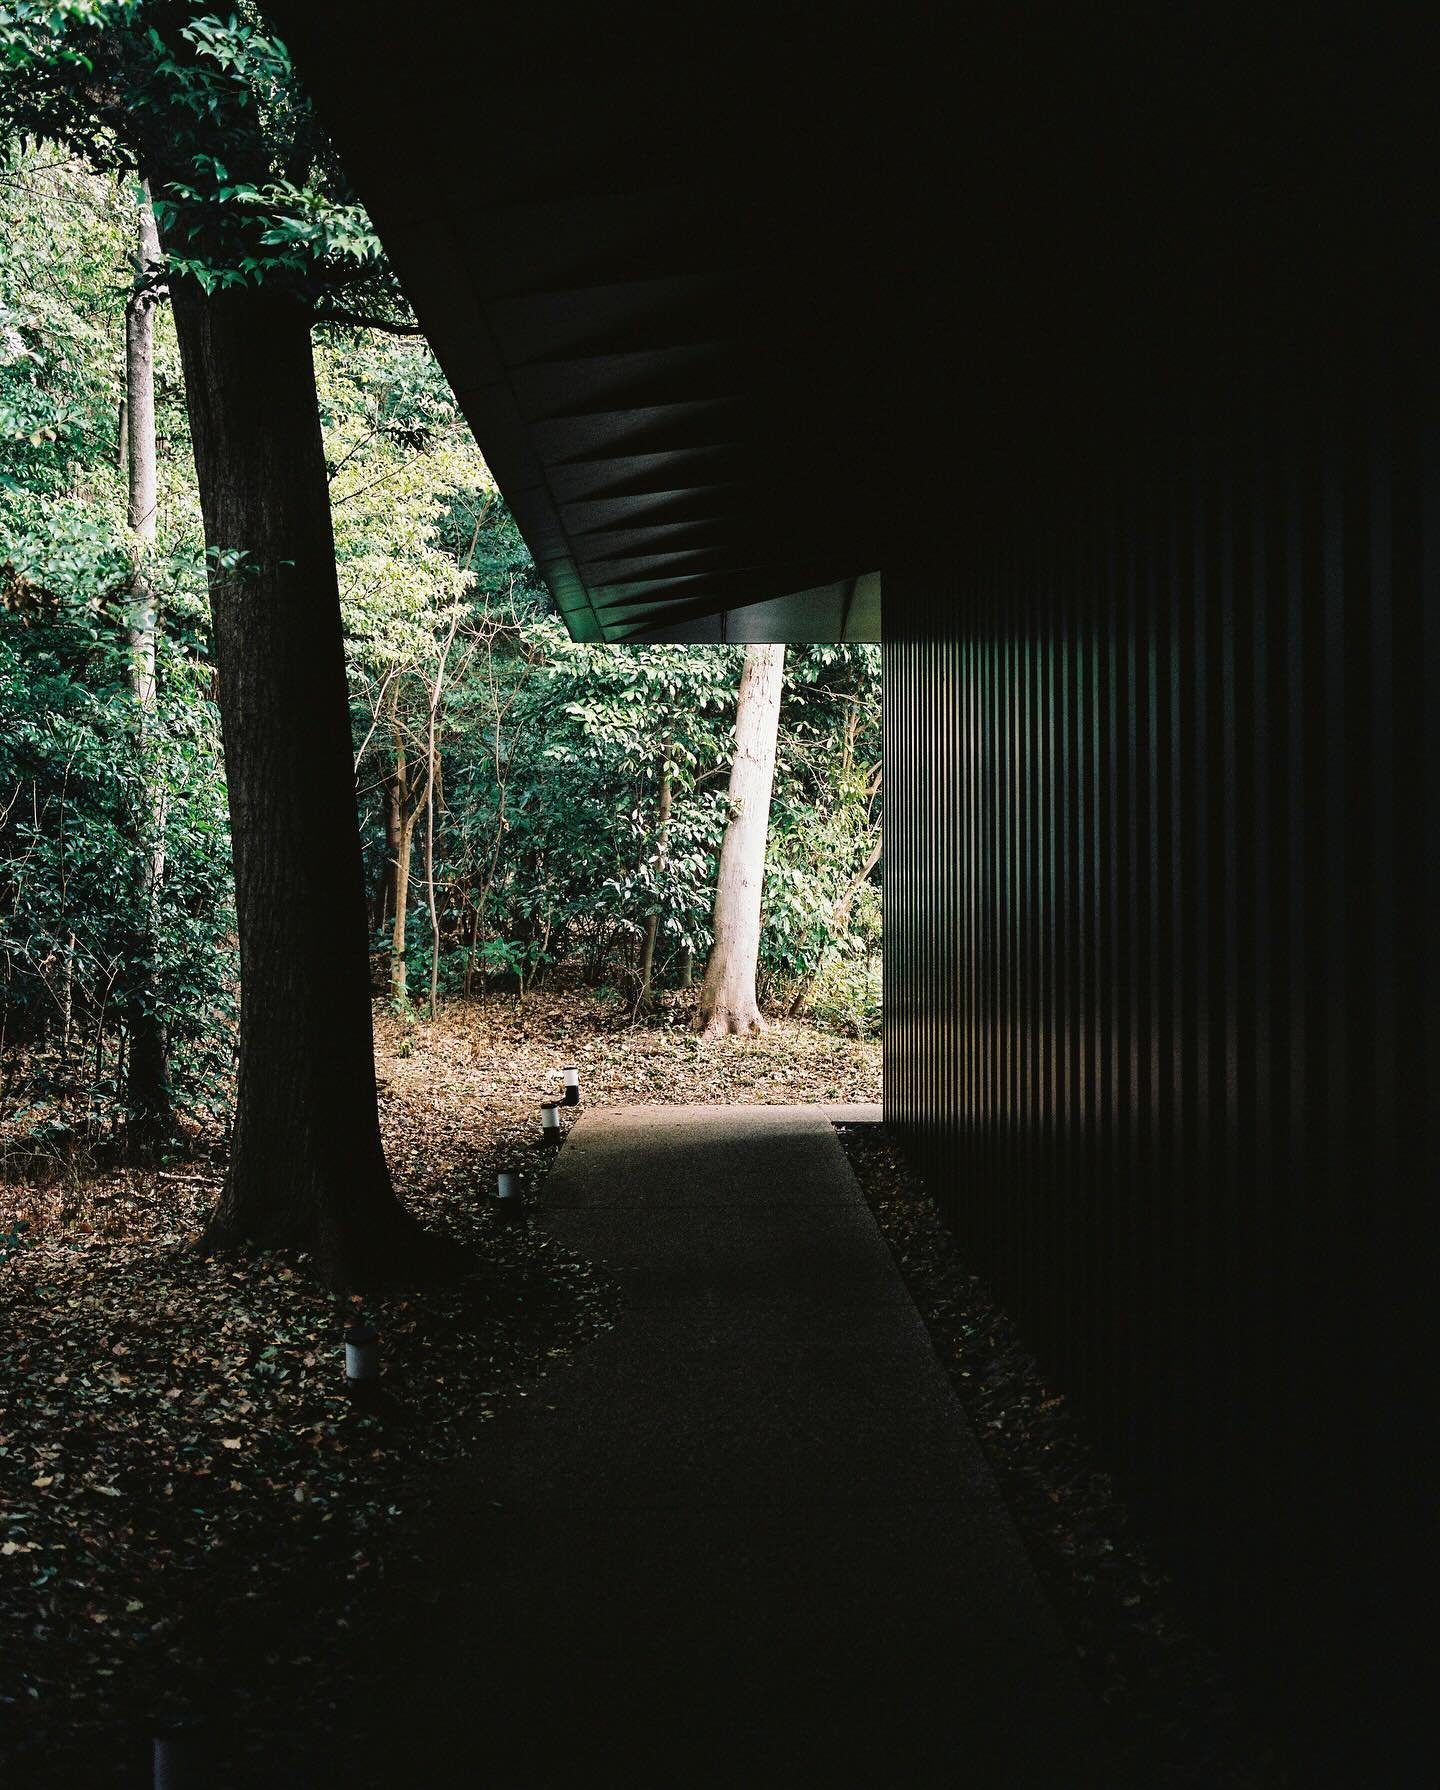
[1171, 1718]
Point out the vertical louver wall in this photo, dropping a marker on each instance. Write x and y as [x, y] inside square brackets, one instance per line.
[1159, 952]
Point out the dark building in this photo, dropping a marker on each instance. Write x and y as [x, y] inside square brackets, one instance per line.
[1102, 342]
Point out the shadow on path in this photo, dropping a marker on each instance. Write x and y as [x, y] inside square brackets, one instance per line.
[753, 1541]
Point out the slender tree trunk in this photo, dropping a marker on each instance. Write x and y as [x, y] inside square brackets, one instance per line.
[141, 466]
[67, 1005]
[403, 812]
[727, 995]
[399, 962]
[385, 884]
[307, 1169]
[652, 922]
[432, 778]
[686, 975]
[151, 1117]
[430, 895]
[474, 948]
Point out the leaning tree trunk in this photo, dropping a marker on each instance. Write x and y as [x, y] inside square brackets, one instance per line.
[307, 1168]
[151, 1120]
[727, 995]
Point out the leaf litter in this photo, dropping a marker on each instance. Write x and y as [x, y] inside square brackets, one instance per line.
[187, 1493]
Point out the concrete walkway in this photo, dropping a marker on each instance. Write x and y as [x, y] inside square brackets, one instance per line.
[755, 1543]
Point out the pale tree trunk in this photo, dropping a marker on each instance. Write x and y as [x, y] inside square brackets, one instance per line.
[307, 1169]
[432, 777]
[151, 1118]
[430, 895]
[652, 923]
[727, 995]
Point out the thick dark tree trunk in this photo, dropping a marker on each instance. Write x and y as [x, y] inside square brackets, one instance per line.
[307, 1169]
[151, 1119]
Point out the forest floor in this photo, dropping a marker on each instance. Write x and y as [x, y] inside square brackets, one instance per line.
[177, 1450]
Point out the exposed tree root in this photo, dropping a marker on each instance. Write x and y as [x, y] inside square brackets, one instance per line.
[726, 1022]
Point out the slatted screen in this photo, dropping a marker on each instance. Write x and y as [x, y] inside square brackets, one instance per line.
[1158, 943]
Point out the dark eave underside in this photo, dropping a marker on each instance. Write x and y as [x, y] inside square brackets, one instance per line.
[642, 340]
[745, 304]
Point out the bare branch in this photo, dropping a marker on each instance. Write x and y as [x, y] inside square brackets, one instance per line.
[358, 320]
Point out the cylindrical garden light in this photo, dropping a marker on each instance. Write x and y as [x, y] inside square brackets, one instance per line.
[551, 1129]
[362, 1356]
[572, 1086]
[509, 1202]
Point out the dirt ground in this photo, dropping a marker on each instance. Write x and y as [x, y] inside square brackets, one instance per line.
[176, 1443]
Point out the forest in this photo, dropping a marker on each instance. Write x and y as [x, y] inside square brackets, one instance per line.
[532, 810]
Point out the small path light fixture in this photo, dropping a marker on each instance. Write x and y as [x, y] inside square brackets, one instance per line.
[362, 1356]
[509, 1202]
[176, 1749]
[551, 1129]
[572, 1086]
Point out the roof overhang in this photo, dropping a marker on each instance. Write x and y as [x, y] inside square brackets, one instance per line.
[745, 304]
[642, 264]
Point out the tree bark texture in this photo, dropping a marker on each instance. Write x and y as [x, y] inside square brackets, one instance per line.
[151, 1119]
[307, 1169]
[727, 1001]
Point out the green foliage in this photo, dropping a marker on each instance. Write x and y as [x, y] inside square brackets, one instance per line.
[549, 756]
[550, 848]
[74, 780]
[78, 769]
[208, 109]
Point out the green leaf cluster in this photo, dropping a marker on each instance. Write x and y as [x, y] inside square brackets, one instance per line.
[208, 109]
